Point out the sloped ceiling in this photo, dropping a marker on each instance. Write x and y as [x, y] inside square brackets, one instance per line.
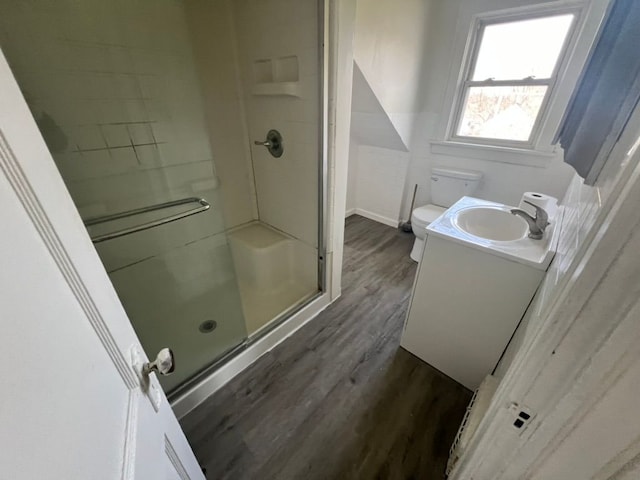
[370, 124]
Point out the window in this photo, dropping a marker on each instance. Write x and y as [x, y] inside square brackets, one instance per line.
[509, 78]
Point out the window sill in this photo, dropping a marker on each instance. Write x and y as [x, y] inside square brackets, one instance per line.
[515, 156]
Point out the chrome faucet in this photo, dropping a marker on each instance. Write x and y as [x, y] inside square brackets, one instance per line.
[538, 224]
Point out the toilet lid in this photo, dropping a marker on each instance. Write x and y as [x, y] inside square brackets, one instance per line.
[428, 213]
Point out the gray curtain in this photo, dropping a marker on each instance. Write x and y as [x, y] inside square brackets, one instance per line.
[607, 93]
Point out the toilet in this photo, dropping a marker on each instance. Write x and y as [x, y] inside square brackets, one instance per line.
[447, 187]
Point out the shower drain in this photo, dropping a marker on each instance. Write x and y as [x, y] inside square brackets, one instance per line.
[208, 326]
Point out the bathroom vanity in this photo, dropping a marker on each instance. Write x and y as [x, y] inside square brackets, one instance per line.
[478, 273]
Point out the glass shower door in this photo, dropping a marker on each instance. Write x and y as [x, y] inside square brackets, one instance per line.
[115, 91]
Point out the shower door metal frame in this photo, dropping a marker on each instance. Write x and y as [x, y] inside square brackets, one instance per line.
[323, 129]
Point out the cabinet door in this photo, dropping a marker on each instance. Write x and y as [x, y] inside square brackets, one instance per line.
[465, 306]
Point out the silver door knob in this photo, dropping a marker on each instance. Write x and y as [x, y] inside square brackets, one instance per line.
[163, 364]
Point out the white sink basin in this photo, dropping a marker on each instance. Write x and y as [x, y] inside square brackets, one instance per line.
[492, 223]
[492, 228]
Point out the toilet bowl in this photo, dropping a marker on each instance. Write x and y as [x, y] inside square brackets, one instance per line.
[421, 217]
[447, 187]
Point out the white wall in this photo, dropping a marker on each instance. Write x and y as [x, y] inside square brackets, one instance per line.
[370, 122]
[576, 359]
[376, 182]
[448, 28]
[388, 45]
[501, 182]
[352, 179]
[341, 29]
[582, 204]
[389, 41]
[444, 27]
[374, 188]
[580, 208]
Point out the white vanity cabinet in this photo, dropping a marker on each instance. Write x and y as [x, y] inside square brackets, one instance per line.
[466, 304]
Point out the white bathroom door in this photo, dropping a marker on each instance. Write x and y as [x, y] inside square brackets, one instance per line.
[74, 404]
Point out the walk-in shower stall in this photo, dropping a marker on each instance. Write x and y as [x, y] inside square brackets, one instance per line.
[188, 133]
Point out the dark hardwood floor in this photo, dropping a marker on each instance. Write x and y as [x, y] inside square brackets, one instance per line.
[339, 399]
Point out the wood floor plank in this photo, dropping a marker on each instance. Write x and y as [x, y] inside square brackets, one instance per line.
[339, 399]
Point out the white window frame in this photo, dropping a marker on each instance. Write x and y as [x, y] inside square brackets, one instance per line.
[477, 30]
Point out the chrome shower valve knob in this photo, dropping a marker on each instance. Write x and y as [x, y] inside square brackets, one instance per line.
[273, 143]
[163, 364]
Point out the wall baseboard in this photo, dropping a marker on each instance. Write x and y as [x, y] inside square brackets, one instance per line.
[375, 217]
[349, 212]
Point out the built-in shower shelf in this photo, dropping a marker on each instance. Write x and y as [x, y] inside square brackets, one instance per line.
[276, 76]
[289, 89]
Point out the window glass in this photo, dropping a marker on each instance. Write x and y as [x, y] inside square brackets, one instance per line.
[501, 112]
[516, 50]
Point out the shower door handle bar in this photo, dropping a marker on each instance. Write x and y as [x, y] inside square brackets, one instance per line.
[203, 206]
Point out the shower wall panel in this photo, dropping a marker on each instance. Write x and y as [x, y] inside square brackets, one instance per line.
[215, 50]
[279, 58]
[118, 105]
[115, 92]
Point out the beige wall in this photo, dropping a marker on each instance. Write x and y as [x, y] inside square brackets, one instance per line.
[286, 187]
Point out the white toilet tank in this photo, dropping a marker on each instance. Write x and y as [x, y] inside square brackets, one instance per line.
[450, 185]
